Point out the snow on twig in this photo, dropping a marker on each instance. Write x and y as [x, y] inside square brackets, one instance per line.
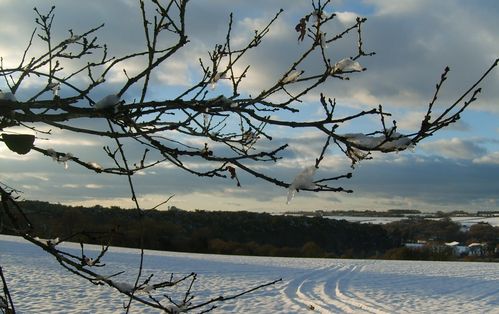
[346, 65]
[393, 142]
[291, 77]
[302, 181]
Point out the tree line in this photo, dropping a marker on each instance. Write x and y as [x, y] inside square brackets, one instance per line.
[249, 233]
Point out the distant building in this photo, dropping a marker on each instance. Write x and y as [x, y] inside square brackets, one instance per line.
[458, 249]
[414, 246]
[418, 245]
[476, 249]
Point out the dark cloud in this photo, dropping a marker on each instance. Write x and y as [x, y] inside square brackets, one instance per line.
[414, 41]
[431, 180]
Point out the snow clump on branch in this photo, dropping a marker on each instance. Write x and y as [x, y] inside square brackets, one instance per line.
[393, 142]
[215, 79]
[123, 286]
[60, 158]
[108, 102]
[95, 166]
[346, 65]
[302, 181]
[291, 77]
[8, 96]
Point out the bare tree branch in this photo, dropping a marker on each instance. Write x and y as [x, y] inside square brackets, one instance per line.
[230, 133]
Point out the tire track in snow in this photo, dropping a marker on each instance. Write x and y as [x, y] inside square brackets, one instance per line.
[327, 290]
[489, 294]
[299, 292]
[335, 290]
[311, 289]
[343, 293]
[328, 294]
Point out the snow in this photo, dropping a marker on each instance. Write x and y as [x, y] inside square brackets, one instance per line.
[73, 39]
[304, 180]
[395, 142]
[64, 159]
[8, 96]
[124, 286]
[52, 153]
[89, 261]
[346, 65]
[38, 284]
[55, 87]
[319, 15]
[291, 77]
[49, 242]
[471, 220]
[95, 165]
[110, 101]
[215, 79]
[474, 244]
[467, 221]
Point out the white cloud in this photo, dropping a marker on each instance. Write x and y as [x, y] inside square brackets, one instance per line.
[6, 154]
[175, 74]
[93, 186]
[491, 158]
[454, 148]
[365, 97]
[30, 188]
[75, 141]
[346, 18]
[414, 41]
[71, 186]
[26, 176]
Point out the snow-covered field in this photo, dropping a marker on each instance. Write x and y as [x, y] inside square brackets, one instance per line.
[465, 221]
[468, 221]
[39, 285]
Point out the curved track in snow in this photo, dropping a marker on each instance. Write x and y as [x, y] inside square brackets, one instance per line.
[336, 286]
[328, 290]
[377, 287]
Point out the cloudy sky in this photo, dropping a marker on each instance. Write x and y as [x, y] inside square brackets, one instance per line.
[413, 41]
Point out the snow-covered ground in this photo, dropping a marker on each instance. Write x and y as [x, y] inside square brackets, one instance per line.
[39, 285]
[468, 221]
[465, 221]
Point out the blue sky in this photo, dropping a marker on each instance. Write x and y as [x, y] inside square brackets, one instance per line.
[413, 41]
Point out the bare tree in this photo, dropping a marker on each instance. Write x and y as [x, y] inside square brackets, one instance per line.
[236, 128]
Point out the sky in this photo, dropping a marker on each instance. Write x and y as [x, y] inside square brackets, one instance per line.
[457, 169]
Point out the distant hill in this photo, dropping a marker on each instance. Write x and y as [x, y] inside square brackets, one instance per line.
[243, 233]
